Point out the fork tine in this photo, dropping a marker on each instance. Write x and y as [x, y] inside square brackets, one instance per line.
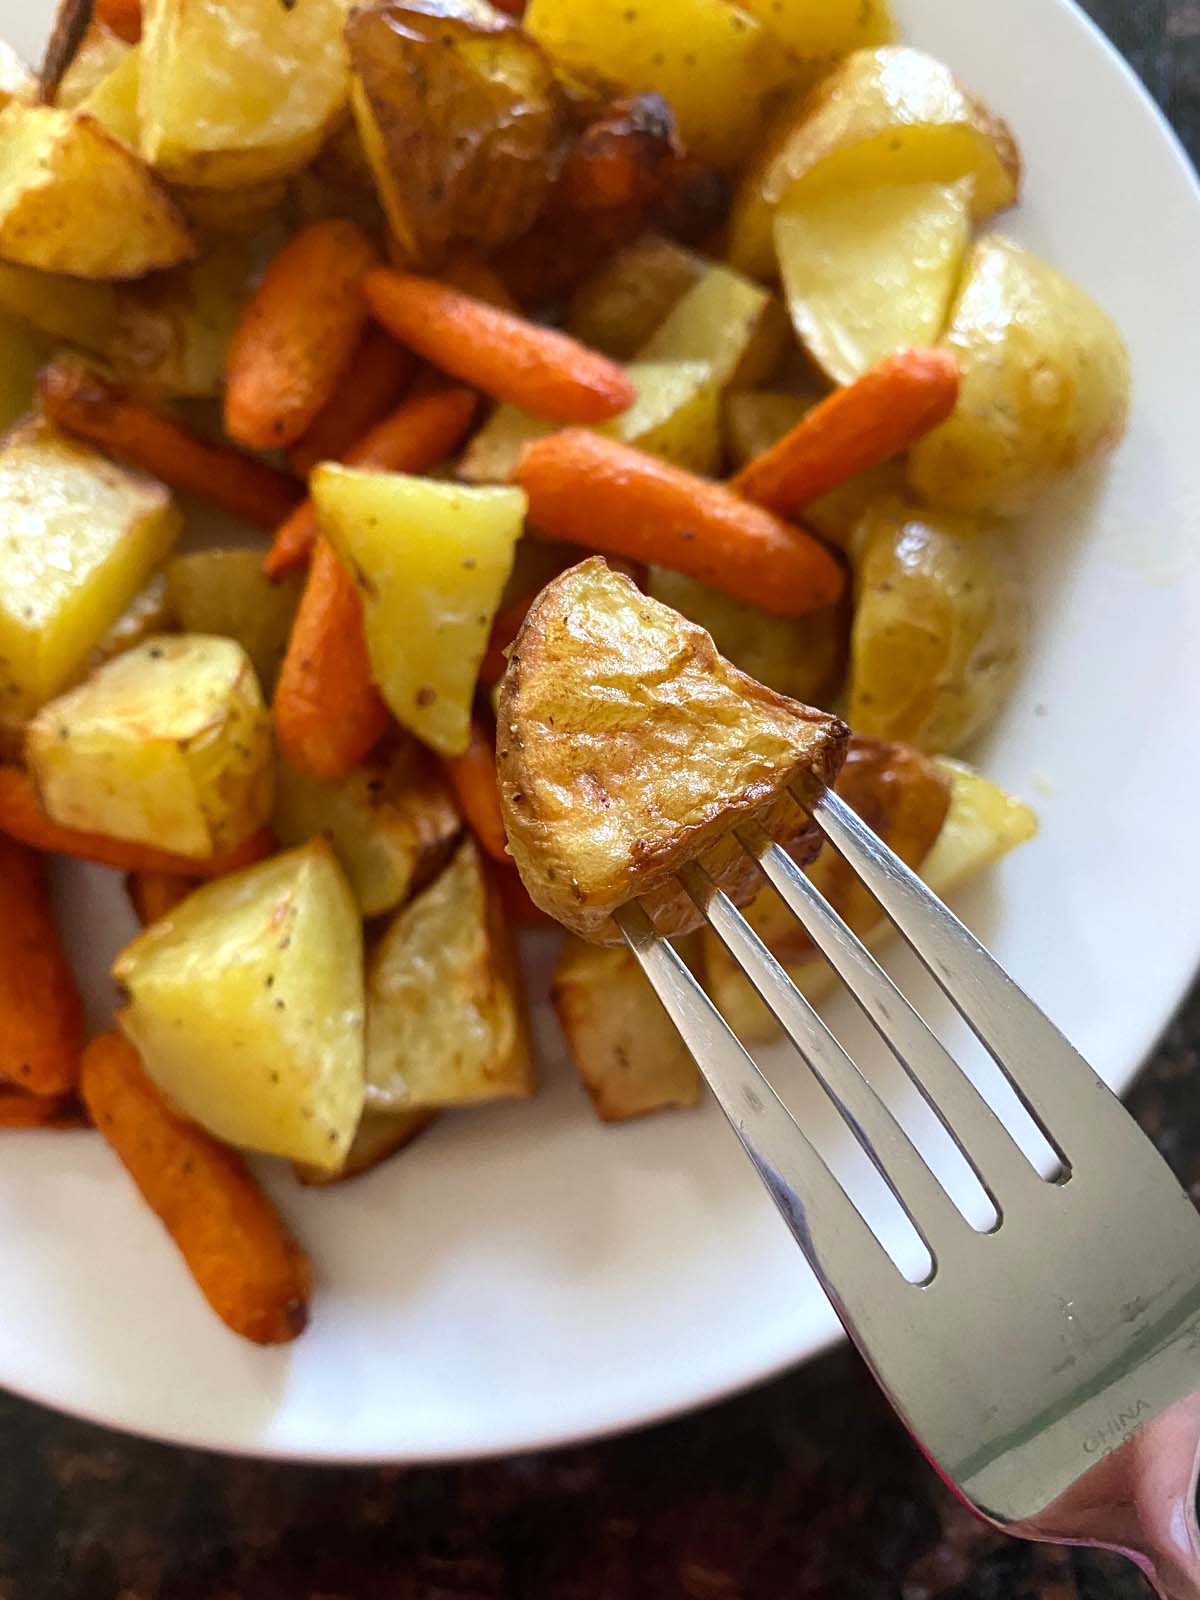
[881, 1137]
[1015, 1032]
[985, 1147]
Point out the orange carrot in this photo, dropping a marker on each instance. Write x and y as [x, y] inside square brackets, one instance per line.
[472, 777]
[621, 159]
[41, 1014]
[298, 334]
[596, 492]
[418, 434]
[83, 402]
[377, 376]
[154, 894]
[18, 1110]
[124, 17]
[856, 428]
[22, 818]
[236, 1245]
[537, 368]
[328, 712]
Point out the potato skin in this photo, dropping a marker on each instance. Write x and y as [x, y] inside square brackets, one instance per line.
[627, 748]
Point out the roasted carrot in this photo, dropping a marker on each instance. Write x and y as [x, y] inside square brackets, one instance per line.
[596, 492]
[22, 818]
[83, 402]
[537, 368]
[417, 435]
[154, 894]
[18, 1110]
[378, 375]
[621, 159]
[472, 777]
[41, 1014]
[298, 334]
[328, 712]
[236, 1245]
[855, 428]
[124, 17]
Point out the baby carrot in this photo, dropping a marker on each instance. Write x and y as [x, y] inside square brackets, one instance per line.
[236, 1245]
[328, 712]
[472, 777]
[856, 428]
[41, 1015]
[298, 334]
[417, 435]
[18, 1110]
[505, 628]
[536, 368]
[378, 375]
[124, 17]
[154, 894]
[596, 492]
[81, 401]
[22, 818]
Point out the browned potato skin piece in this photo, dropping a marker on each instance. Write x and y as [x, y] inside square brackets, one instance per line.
[627, 747]
[380, 1136]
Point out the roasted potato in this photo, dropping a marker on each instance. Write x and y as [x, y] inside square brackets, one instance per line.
[149, 612]
[724, 319]
[253, 210]
[391, 821]
[445, 1018]
[625, 1048]
[801, 657]
[618, 308]
[113, 103]
[22, 353]
[168, 744]
[16, 80]
[379, 1137]
[627, 748]
[887, 116]
[232, 95]
[430, 560]
[815, 32]
[1045, 386]
[871, 272]
[71, 309]
[63, 181]
[461, 118]
[224, 592]
[108, 528]
[246, 1003]
[100, 50]
[755, 419]
[711, 60]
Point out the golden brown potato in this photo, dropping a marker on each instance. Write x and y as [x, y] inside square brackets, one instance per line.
[1045, 386]
[149, 612]
[72, 309]
[100, 51]
[627, 748]
[461, 119]
[815, 32]
[736, 326]
[380, 1136]
[113, 103]
[445, 1015]
[618, 308]
[939, 628]
[23, 353]
[16, 80]
[624, 1046]
[224, 592]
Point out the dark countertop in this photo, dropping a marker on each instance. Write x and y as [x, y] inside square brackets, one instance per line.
[803, 1490]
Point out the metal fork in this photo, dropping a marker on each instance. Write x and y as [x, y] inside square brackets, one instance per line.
[1047, 1366]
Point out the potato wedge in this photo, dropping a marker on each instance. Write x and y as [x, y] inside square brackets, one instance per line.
[246, 1003]
[461, 118]
[113, 103]
[72, 309]
[168, 744]
[16, 80]
[63, 180]
[939, 628]
[231, 95]
[871, 272]
[109, 528]
[224, 592]
[710, 59]
[1045, 386]
[627, 747]
[149, 612]
[100, 51]
[755, 419]
[391, 821]
[724, 319]
[380, 1136]
[801, 657]
[445, 1018]
[814, 32]
[625, 1048]
[887, 116]
[430, 560]
[618, 309]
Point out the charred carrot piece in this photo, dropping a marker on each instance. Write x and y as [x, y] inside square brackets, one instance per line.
[417, 435]
[328, 712]
[236, 1245]
[537, 368]
[83, 402]
[472, 778]
[19, 1110]
[594, 491]
[22, 818]
[378, 375]
[154, 894]
[298, 334]
[124, 17]
[41, 1014]
[855, 428]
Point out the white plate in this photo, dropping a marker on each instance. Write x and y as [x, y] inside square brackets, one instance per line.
[524, 1276]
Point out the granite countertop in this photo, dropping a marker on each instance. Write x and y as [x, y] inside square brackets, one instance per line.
[803, 1490]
